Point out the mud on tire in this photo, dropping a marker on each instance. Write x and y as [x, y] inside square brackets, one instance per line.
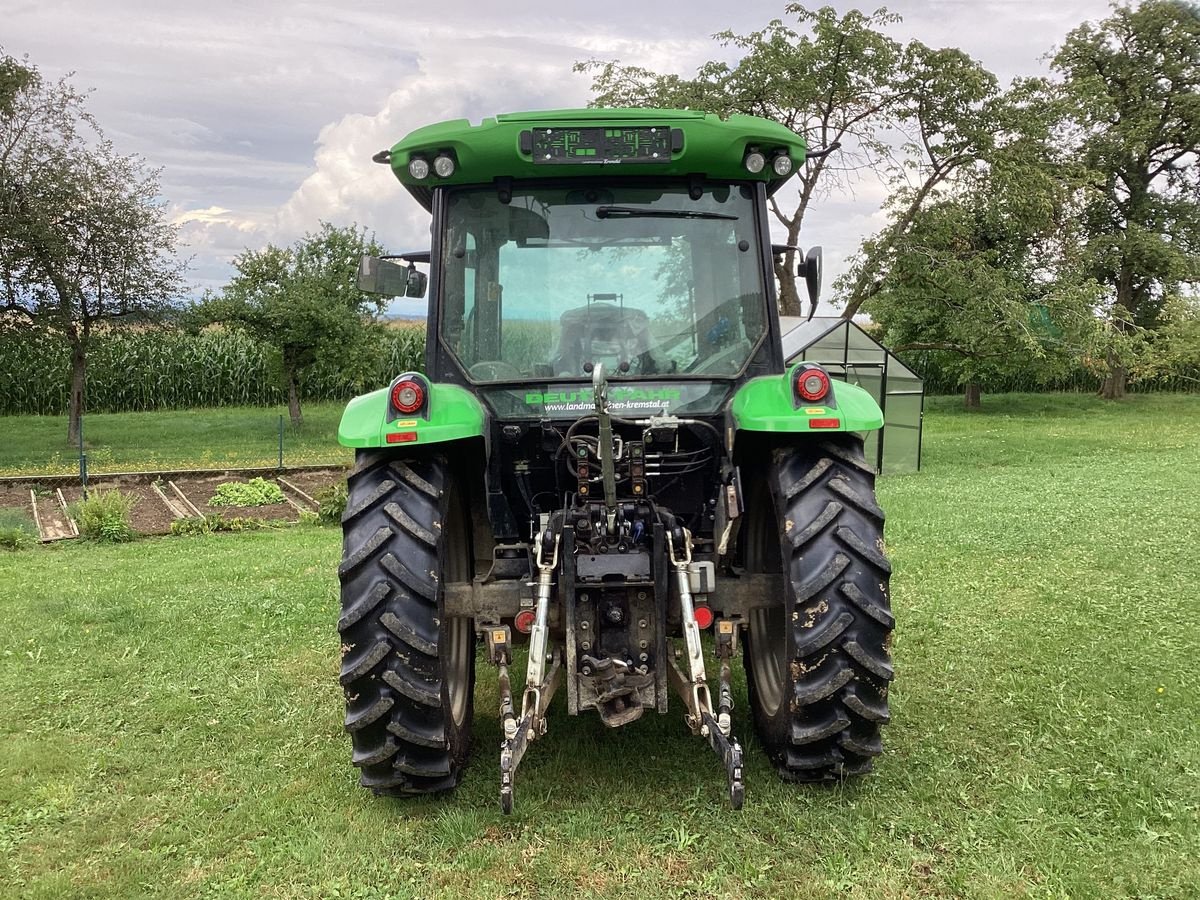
[818, 664]
[408, 672]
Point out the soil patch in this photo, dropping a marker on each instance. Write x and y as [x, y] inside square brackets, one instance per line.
[16, 496]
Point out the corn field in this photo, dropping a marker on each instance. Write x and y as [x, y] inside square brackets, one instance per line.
[162, 369]
[130, 371]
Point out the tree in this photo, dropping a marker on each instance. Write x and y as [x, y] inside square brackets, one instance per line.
[84, 241]
[1132, 83]
[948, 106]
[837, 84]
[962, 283]
[303, 300]
[983, 273]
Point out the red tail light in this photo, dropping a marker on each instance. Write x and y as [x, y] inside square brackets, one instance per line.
[812, 384]
[407, 396]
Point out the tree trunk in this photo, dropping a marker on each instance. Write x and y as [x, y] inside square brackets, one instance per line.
[789, 297]
[1113, 386]
[294, 399]
[75, 399]
[971, 396]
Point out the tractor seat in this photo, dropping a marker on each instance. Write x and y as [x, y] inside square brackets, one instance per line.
[602, 333]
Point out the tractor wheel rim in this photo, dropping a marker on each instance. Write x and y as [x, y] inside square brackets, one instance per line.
[768, 656]
[457, 666]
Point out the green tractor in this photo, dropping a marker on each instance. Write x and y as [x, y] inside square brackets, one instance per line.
[606, 456]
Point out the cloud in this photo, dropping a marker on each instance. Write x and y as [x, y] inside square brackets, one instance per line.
[264, 115]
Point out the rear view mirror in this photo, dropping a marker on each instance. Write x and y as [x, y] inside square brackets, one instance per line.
[417, 283]
[812, 270]
[390, 279]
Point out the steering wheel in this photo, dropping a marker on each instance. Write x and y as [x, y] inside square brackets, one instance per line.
[494, 370]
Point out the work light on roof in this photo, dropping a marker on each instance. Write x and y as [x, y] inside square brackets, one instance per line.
[782, 164]
[444, 166]
[418, 168]
[754, 162]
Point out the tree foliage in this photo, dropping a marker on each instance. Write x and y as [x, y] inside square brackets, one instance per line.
[84, 241]
[836, 81]
[1132, 87]
[949, 110]
[302, 299]
[967, 276]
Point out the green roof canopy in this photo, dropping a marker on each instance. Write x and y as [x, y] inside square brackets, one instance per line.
[581, 143]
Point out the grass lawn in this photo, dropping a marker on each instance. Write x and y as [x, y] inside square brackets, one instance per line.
[233, 437]
[170, 720]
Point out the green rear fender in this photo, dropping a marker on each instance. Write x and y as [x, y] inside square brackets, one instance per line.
[450, 414]
[768, 404]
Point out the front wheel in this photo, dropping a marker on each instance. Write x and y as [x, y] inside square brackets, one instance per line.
[408, 672]
[817, 661]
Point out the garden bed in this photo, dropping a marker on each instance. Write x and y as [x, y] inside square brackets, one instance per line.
[200, 490]
[149, 514]
[158, 502]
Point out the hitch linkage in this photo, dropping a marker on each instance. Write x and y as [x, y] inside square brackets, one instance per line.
[693, 686]
[540, 683]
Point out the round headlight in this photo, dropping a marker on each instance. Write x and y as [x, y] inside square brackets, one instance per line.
[755, 162]
[782, 164]
[444, 166]
[418, 168]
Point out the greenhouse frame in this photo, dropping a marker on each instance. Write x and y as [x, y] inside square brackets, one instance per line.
[850, 354]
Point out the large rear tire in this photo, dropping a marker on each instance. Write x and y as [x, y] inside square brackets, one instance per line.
[408, 672]
[817, 662]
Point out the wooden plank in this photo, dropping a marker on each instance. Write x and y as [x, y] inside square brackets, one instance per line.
[293, 504]
[175, 510]
[66, 512]
[187, 504]
[52, 526]
[37, 520]
[295, 490]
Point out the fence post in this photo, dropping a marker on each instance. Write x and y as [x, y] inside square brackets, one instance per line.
[83, 472]
[280, 466]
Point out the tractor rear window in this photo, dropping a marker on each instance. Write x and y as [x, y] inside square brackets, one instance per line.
[648, 282]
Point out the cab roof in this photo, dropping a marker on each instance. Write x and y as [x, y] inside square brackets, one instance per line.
[589, 143]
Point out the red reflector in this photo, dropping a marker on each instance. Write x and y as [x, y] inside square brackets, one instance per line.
[401, 437]
[524, 621]
[704, 616]
[824, 423]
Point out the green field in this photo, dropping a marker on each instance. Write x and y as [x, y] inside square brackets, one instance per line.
[172, 722]
[225, 437]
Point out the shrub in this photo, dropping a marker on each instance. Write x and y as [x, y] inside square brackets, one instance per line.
[16, 530]
[331, 504]
[255, 492]
[104, 516]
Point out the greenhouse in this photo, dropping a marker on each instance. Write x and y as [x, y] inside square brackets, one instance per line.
[850, 354]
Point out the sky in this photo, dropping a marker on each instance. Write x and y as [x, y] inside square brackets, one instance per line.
[263, 114]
